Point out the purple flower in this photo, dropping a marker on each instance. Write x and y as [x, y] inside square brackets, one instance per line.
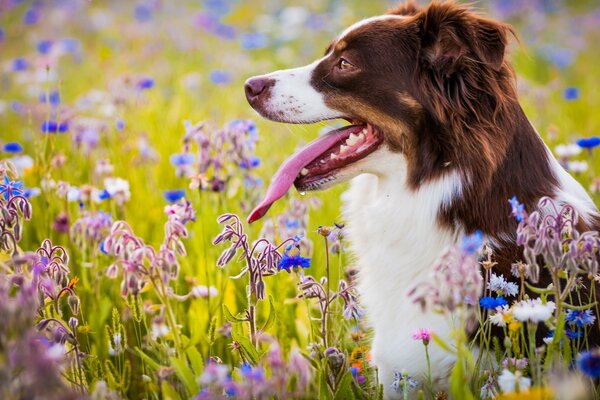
[19, 64]
[54, 127]
[142, 13]
[70, 45]
[53, 97]
[288, 261]
[12, 147]
[31, 16]
[120, 125]
[44, 46]
[11, 188]
[571, 93]
[173, 195]
[250, 162]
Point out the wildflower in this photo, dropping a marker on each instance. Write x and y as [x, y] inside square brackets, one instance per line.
[219, 77]
[31, 16]
[145, 83]
[142, 13]
[580, 318]
[251, 41]
[402, 379]
[571, 93]
[502, 287]
[577, 166]
[19, 64]
[588, 143]
[12, 147]
[204, 292]
[54, 127]
[44, 46]
[533, 310]
[534, 393]
[472, 243]
[502, 316]
[515, 363]
[588, 362]
[573, 334]
[423, 334]
[250, 162]
[182, 159]
[288, 261]
[566, 151]
[120, 125]
[517, 209]
[510, 382]
[11, 188]
[118, 189]
[492, 303]
[173, 195]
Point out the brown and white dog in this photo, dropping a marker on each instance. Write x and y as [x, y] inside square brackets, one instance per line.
[437, 145]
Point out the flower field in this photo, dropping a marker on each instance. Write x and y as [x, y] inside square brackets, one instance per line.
[129, 161]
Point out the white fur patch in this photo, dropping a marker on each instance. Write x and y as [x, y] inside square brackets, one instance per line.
[293, 98]
[394, 232]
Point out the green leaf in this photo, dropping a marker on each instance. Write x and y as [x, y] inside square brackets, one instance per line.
[247, 348]
[230, 317]
[195, 359]
[344, 390]
[272, 315]
[169, 392]
[437, 340]
[153, 364]
[324, 391]
[185, 374]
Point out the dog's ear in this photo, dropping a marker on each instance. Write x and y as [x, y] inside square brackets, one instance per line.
[407, 8]
[453, 37]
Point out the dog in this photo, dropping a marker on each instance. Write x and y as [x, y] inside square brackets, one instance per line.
[437, 144]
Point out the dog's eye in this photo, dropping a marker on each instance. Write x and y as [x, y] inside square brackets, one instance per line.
[344, 65]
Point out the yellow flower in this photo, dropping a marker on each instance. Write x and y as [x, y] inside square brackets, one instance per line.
[536, 393]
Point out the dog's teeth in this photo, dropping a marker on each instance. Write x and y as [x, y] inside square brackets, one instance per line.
[352, 140]
[364, 131]
[343, 148]
[304, 172]
[362, 136]
[333, 156]
[322, 161]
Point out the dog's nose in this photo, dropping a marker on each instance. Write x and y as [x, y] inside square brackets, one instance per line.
[255, 87]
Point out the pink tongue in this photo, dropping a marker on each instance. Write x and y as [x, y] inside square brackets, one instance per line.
[288, 171]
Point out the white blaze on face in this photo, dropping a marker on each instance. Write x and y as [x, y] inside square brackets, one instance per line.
[294, 99]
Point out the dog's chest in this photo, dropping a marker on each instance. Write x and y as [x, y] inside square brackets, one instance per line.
[395, 236]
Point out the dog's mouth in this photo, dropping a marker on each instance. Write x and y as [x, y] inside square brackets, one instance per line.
[320, 162]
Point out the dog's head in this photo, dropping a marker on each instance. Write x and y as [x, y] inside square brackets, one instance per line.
[420, 83]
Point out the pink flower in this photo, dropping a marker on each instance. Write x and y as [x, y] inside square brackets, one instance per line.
[423, 334]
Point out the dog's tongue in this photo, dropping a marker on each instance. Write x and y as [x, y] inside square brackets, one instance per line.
[288, 171]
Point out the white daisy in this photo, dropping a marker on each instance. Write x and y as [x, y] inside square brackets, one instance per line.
[509, 382]
[533, 310]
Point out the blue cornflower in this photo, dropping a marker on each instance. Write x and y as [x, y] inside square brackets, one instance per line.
[571, 93]
[1, 35]
[588, 362]
[248, 372]
[588, 143]
[250, 162]
[69, 45]
[44, 46]
[11, 188]
[250, 41]
[53, 127]
[19, 64]
[143, 13]
[517, 209]
[472, 243]
[354, 371]
[12, 147]
[288, 261]
[573, 334]
[104, 195]
[220, 77]
[173, 195]
[491, 303]
[120, 125]
[145, 83]
[580, 318]
[182, 159]
[223, 31]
